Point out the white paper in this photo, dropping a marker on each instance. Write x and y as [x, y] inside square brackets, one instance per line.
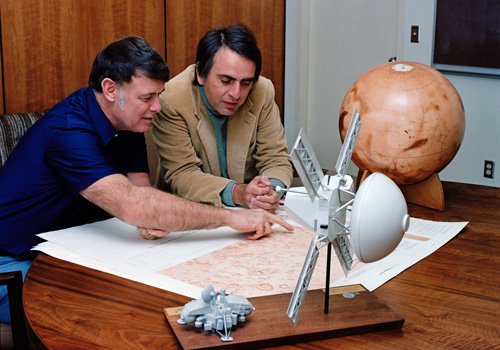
[422, 238]
[115, 247]
[115, 242]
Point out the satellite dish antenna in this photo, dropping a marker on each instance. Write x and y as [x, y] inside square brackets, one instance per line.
[378, 218]
[375, 218]
[207, 293]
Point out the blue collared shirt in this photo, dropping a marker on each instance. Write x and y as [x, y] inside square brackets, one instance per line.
[67, 150]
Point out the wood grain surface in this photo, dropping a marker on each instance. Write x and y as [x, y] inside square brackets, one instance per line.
[48, 46]
[269, 323]
[449, 300]
[189, 20]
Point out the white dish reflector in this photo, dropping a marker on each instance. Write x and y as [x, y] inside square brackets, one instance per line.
[379, 218]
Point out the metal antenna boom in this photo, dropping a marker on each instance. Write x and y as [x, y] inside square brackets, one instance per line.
[338, 196]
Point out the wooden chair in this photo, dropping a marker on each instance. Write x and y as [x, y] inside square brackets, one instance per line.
[18, 339]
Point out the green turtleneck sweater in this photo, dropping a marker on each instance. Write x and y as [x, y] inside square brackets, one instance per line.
[219, 123]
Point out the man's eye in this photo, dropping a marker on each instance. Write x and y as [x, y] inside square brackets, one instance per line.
[226, 81]
[146, 99]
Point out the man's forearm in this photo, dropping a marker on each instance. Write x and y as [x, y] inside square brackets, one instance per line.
[150, 207]
[161, 210]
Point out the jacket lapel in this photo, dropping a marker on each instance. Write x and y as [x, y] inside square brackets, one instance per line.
[207, 138]
[239, 136]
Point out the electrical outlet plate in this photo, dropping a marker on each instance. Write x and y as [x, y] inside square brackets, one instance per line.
[414, 34]
[489, 169]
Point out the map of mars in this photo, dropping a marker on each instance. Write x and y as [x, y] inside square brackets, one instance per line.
[270, 265]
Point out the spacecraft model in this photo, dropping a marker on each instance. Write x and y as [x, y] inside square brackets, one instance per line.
[369, 223]
[216, 312]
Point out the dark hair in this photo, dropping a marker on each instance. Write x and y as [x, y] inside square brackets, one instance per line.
[120, 60]
[238, 38]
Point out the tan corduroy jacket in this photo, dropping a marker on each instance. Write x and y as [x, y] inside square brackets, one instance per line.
[187, 148]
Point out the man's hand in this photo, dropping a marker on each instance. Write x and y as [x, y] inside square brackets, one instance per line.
[151, 233]
[258, 194]
[257, 222]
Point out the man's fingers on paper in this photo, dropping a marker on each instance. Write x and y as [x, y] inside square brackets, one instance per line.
[283, 223]
[263, 230]
[266, 226]
[273, 219]
[148, 233]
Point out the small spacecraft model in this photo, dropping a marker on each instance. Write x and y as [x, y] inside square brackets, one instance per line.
[369, 223]
[216, 312]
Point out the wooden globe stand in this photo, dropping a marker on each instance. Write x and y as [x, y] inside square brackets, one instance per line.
[427, 193]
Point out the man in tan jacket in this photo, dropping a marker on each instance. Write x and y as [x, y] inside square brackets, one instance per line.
[219, 134]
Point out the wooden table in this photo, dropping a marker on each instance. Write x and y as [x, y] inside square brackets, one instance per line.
[450, 300]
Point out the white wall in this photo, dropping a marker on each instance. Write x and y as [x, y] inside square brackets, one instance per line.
[322, 34]
[328, 61]
[480, 96]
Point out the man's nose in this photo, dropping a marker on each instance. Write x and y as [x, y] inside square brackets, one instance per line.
[155, 104]
[235, 91]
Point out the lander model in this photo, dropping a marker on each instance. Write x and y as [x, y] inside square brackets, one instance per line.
[216, 312]
[369, 223]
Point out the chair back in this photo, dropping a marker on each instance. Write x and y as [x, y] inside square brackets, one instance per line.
[12, 128]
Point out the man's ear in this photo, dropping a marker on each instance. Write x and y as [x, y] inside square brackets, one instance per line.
[109, 89]
[199, 79]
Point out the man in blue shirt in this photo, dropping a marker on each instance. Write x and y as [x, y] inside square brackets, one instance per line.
[86, 160]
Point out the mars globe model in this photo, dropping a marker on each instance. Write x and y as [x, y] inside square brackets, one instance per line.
[412, 121]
